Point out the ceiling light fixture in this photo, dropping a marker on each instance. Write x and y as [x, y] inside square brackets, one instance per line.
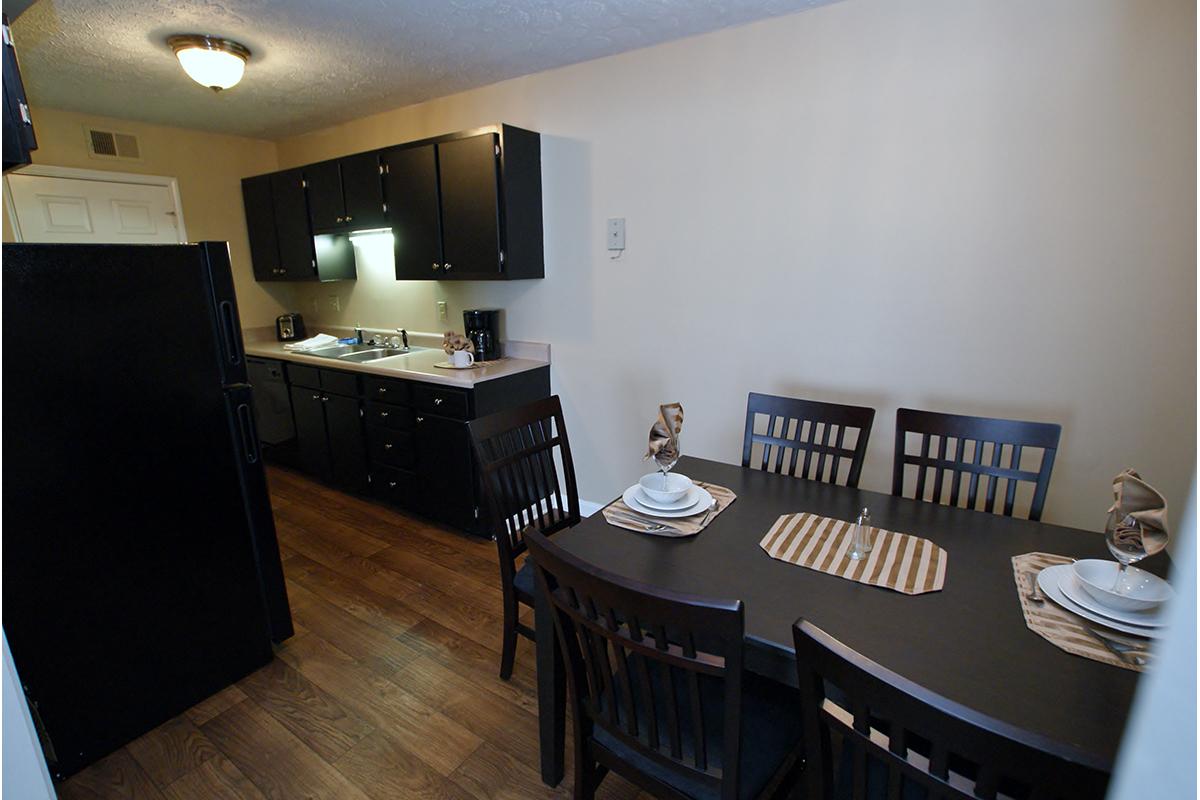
[209, 60]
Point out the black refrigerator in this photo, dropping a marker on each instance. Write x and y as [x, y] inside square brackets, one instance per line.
[141, 571]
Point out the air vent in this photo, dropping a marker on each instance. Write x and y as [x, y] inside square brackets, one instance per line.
[112, 145]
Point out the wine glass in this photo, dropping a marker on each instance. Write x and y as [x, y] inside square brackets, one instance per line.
[1124, 538]
[666, 458]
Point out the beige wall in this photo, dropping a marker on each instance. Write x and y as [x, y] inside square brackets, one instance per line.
[966, 206]
[209, 168]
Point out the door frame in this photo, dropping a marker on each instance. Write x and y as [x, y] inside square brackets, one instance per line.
[104, 176]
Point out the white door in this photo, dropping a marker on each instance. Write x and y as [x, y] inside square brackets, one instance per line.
[53, 209]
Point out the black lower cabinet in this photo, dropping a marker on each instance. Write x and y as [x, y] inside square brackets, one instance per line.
[446, 468]
[403, 442]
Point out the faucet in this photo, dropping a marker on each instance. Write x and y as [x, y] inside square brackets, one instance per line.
[358, 334]
[403, 337]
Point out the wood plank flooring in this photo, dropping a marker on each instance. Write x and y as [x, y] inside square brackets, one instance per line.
[389, 688]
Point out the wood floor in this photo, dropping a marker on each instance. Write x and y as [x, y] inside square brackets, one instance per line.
[389, 688]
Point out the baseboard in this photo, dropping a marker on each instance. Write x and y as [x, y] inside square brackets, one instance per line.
[587, 507]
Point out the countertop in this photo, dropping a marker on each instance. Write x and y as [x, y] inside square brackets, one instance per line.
[418, 365]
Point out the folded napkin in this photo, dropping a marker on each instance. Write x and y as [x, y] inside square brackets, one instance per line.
[452, 341]
[1138, 513]
[664, 435]
[312, 343]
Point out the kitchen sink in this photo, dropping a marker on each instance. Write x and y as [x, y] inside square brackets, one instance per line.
[359, 353]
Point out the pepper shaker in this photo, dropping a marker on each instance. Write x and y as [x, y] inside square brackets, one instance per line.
[860, 545]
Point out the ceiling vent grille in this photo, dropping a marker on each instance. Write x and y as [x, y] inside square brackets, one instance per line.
[112, 145]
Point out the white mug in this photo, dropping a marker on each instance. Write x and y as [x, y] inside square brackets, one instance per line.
[462, 358]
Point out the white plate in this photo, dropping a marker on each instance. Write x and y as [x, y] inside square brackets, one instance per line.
[631, 499]
[1069, 584]
[689, 499]
[1048, 582]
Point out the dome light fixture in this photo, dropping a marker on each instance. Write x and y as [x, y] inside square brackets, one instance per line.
[210, 60]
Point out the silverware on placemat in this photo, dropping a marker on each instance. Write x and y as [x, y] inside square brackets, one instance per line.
[1034, 593]
[1123, 649]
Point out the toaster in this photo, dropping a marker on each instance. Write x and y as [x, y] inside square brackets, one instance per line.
[289, 327]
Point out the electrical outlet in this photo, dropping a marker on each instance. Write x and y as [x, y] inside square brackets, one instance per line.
[616, 233]
[335, 302]
[441, 310]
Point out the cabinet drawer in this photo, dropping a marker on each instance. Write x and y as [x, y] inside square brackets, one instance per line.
[398, 418]
[300, 375]
[384, 390]
[393, 448]
[441, 400]
[345, 383]
[396, 486]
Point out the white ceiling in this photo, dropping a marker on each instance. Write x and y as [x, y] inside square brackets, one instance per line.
[319, 62]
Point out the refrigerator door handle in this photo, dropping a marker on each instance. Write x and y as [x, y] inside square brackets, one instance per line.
[229, 331]
[249, 437]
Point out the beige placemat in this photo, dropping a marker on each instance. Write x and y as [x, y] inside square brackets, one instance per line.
[1060, 627]
[897, 561]
[621, 515]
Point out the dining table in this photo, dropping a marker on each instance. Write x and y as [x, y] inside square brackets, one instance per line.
[967, 642]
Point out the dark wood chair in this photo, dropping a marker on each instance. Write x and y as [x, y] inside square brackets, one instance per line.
[899, 740]
[978, 450]
[816, 428]
[657, 687]
[519, 452]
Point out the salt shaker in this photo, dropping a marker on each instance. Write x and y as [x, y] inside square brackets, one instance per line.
[860, 545]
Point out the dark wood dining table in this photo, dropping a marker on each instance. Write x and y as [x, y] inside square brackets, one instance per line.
[967, 642]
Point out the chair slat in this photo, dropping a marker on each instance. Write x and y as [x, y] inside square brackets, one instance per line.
[1010, 493]
[990, 504]
[921, 468]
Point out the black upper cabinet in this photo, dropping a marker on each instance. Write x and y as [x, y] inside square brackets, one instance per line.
[260, 225]
[411, 188]
[18, 125]
[345, 194]
[468, 176]
[282, 244]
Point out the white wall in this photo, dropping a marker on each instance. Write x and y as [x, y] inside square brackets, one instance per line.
[956, 205]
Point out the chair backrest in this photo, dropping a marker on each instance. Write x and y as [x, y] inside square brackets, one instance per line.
[896, 733]
[978, 450]
[656, 670]
[816, 429]
[520, 452]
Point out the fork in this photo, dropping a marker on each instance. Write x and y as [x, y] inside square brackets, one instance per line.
[1126, 651]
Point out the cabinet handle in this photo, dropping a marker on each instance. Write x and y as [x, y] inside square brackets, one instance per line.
[436, 266]
[437, 401]
[316, 397]
[348, 218]
[382, 390]
[420, 419]
[391, 484]
[325, 399]
[339, 219]
[387, 445]
[446, 266]
[383, 413]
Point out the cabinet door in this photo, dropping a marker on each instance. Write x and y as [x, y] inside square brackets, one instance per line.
[411, 192]
[312, 442]
[260, 226]
[326, 207]
[296, 256]
[362, 187]
[468, 170]
[446, 470]
[347, 446]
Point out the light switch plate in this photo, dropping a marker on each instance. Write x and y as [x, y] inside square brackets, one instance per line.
[616, 233]
[441, 310]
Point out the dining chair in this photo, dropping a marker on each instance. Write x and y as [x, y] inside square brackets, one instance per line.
[795, 426]
[978, 450]
[520, 452]
[658, 691]
[898, 739]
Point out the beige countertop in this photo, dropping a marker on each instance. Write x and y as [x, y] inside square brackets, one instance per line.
[418, 365]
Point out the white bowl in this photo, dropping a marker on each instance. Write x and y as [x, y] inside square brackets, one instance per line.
[675, 488]
[1139, 590]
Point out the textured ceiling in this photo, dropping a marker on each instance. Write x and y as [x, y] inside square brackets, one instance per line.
[319, 62]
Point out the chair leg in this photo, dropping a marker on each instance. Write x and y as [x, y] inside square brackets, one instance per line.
[509, 648]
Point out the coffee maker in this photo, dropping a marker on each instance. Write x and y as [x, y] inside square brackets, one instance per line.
[483, 329]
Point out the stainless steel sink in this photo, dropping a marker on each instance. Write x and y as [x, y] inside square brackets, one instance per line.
[359, 353]
[372, 355]
[339, 350]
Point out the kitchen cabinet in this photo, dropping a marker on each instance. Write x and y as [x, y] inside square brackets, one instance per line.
[464, 206]
[467, 206]
[282, 244]
[404, 442]
[410, 185]
[345, 194]
[18, 125]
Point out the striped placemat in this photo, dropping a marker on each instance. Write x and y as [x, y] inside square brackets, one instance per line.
[898, 561]
[621, 515]
[1060, 627]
